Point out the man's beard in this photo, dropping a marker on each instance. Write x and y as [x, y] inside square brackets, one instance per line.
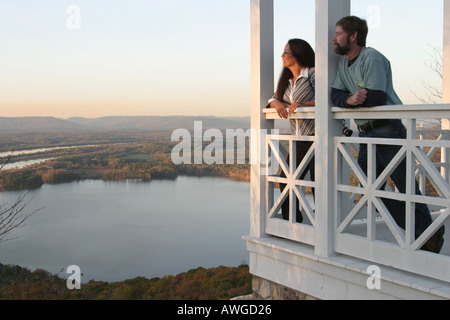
[342, 50]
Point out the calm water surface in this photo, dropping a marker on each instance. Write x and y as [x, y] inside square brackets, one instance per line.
[121, 230]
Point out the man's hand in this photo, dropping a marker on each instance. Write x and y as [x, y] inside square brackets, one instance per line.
[358, 98]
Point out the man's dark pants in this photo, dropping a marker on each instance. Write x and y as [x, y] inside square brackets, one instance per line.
[384, 155]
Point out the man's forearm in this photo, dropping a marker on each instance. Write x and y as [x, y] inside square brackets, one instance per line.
[340, 97]
[374, 98]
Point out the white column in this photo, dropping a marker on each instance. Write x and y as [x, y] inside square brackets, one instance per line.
[446, 56]
[328, 12]
[262, 87]
[446, 78]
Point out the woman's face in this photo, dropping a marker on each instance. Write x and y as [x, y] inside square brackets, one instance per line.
[289, 59]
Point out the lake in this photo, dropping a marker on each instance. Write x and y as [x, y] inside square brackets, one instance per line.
[121, 230]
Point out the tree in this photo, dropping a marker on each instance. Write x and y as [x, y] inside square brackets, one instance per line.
[14, 215]
[433, 94]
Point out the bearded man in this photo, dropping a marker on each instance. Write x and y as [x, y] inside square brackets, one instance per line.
[364, 79]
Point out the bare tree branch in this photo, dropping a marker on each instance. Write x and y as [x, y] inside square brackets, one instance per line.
[433, 95]
[13, 216]
[436, 62]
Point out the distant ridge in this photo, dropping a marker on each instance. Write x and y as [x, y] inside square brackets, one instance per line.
[150, 123]
[35, 123]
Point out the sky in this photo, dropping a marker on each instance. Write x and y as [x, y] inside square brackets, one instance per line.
[93, 58]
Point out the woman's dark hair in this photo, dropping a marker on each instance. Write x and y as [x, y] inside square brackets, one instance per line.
[304, 54]
[352, 24]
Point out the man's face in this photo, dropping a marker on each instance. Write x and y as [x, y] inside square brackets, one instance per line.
[341, 42]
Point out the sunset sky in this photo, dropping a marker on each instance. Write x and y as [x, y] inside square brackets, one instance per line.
[177, 57]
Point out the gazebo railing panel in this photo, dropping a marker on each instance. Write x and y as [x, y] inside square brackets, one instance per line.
[281, 157]
[364, 227]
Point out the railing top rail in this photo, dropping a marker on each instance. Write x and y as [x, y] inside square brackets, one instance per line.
[421, 111]
[300, 113]
[426, 111]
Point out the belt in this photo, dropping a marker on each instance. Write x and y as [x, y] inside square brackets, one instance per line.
[371, 125]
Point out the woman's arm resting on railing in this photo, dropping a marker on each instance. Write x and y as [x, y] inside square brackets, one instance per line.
[280, 107]
[296, 105]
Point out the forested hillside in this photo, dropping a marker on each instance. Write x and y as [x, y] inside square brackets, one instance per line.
[17, 283]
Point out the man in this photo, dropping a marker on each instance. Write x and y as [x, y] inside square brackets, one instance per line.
[364, 79]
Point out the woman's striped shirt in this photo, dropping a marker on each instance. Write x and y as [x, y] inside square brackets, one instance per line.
[302, 90]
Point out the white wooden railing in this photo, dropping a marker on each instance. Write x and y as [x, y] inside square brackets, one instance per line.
[295, 187]
[363, 227]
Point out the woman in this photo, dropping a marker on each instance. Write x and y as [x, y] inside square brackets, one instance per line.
[296, 88]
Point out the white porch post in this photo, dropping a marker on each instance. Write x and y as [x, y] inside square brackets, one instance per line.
[262, 87]
[446, 60]
[446, 78]
[328, 12]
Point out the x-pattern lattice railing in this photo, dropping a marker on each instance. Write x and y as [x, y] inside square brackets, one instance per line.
[441, 155]
[364, 227]
[295, 188]
[370, 190]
